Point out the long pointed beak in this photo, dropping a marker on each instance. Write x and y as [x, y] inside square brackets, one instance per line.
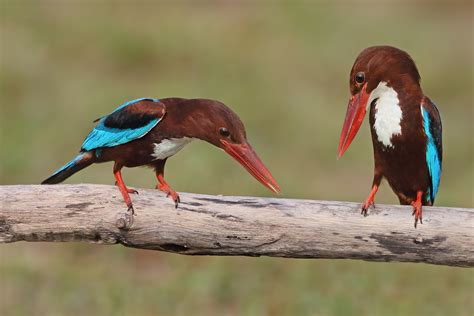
[354, 116]
[248, 158]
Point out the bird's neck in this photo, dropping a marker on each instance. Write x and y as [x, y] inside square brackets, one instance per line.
[187, 119]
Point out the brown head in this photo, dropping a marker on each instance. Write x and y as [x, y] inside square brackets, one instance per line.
[375, 69]
[214, 122]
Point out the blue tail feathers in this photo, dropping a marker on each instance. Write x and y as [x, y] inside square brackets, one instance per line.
[78, 163]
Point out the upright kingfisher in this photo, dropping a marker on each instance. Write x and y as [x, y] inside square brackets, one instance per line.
[405, 126]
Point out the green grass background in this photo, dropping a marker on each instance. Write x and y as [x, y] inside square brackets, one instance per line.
[283, 67]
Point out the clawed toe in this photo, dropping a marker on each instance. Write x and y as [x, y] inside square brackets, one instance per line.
[365, 208]
[177, 201]
[369, 201]
[175, 197]
[163, 186]
[171, 194]
[418, 215]
[364, 211]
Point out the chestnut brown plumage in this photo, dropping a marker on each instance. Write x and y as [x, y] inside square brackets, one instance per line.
[146, 132]
[405, 126]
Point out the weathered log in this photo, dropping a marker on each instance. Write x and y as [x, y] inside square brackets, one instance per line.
[231, 225]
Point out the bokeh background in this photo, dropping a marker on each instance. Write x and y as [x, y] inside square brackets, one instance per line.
[283, 67]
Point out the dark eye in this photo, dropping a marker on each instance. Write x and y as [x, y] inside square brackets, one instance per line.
[360, 77]
[224, 132]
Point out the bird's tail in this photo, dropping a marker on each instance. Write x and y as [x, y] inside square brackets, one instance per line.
[80, 162]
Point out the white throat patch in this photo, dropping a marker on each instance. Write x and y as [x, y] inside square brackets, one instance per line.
[388, 113]
[168, 147]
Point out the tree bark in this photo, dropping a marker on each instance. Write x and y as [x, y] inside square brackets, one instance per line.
[236, 226]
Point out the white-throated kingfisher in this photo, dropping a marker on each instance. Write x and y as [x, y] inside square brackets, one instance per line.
[146, 132]
[405, 126]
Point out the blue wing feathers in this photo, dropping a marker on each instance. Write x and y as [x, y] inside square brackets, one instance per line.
[104, 135]
[433, 151]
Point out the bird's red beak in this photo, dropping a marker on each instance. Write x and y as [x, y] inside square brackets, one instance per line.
[354, 116]
[247, 157]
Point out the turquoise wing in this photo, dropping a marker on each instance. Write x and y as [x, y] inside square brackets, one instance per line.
[434, 147]
[132, 120]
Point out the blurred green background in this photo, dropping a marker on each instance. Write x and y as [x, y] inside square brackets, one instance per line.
[283, 67]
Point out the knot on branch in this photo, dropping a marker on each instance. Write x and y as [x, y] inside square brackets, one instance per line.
[124, 221]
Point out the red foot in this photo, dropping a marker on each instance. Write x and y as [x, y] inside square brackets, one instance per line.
[163, 186]
[417, 211]
[369, 201]
[124, 190]
[131, 209]
[132, 191]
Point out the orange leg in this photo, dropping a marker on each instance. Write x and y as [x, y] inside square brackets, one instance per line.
[370, 200]
[417, 212]
[163, 186]
[128, 190]
[123, 189]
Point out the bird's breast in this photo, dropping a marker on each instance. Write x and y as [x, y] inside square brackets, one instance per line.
[387, 115]
[168, 147]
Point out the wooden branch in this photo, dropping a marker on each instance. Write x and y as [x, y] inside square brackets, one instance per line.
[246, 226]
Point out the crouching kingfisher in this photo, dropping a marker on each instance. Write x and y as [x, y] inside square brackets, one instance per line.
[405, 126]
[146, 132]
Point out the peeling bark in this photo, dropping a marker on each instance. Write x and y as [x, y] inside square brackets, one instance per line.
[236, 226]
